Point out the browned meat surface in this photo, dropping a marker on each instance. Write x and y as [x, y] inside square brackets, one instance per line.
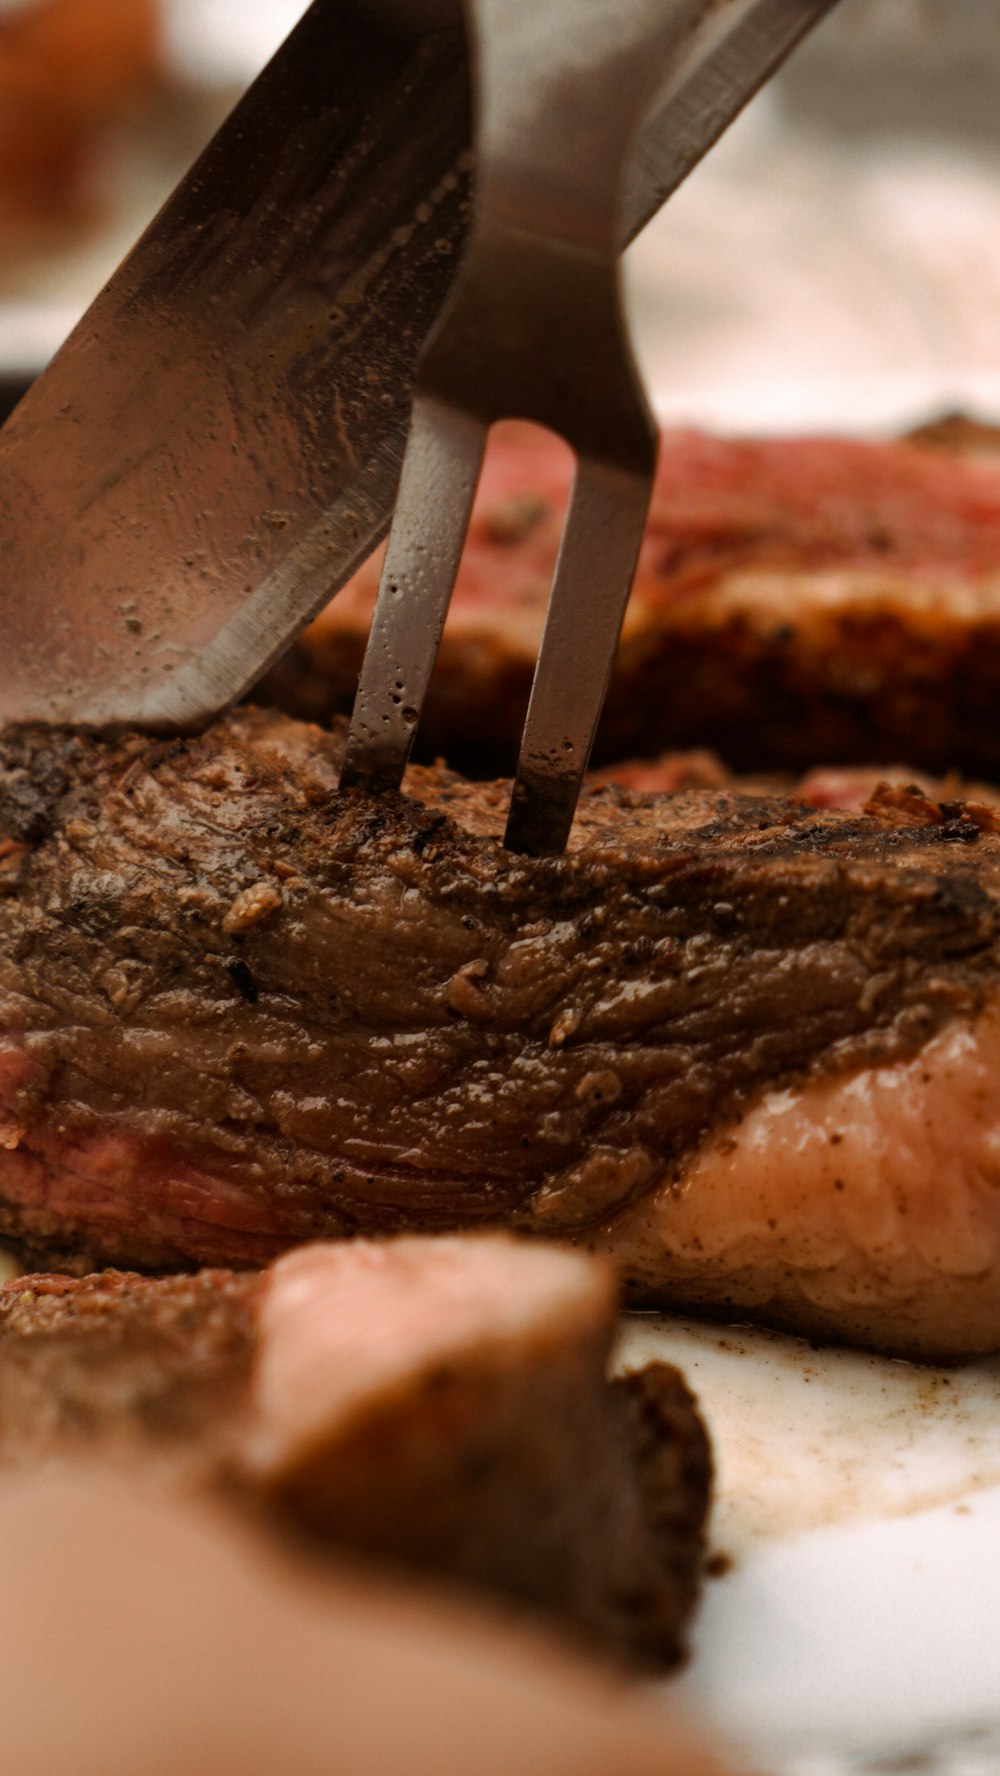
[850, 787]
[141, 1638]
[127, 1367]
[240, 1010]
[442, 1403]
[796, 600]
[959, 434]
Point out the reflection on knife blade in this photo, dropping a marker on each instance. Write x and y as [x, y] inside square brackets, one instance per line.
[217, 446]
[227, 419]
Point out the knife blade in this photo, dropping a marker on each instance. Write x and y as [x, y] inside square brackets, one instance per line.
[217, 446]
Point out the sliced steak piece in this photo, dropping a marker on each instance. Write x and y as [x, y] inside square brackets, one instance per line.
[442, 1403]
[142, 1636]
[796, 600]
[239, 1010]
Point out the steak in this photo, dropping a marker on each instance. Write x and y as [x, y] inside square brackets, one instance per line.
[442, 1403]
[240, 1010]
[850, 787]
[796, 600]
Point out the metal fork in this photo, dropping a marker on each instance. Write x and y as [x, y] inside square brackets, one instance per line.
[536, 329]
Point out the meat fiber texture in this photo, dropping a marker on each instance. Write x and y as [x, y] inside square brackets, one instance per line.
[796, 600]
[746, 1047]
[440, 1403]
[149, 1638]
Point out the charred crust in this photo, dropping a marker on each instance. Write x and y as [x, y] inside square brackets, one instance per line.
[113, 1361]
[673, 1470]
[243, 980]
[36, 769]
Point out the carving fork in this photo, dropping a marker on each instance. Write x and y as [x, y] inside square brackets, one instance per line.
[535, 329]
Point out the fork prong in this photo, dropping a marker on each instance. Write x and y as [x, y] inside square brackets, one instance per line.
[444, 454]
[597, 560]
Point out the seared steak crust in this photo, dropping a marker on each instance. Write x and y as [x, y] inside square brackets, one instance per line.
[122, 1365]
[242, 1010]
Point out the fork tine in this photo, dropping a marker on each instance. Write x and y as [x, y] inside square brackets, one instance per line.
[444, 454]
[535, 328]
[597, 560]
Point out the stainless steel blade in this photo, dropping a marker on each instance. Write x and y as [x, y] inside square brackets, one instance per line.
[218, 444]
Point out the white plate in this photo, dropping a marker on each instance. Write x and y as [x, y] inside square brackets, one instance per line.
[859, 1505]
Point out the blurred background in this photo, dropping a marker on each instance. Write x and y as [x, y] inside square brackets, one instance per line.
[835, 261]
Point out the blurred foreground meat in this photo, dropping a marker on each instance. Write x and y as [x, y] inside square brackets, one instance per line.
[144, 1640]
[746, 1046]
[797, 600]
[442, 1403]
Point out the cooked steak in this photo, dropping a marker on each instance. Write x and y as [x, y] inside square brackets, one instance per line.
[440, 1402]
[850, 787]
[145, 1636]
[796, 600]
[240, 1010]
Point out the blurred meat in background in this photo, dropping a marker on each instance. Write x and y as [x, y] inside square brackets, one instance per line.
[848, 227]
[103, 106]
[67, 69]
